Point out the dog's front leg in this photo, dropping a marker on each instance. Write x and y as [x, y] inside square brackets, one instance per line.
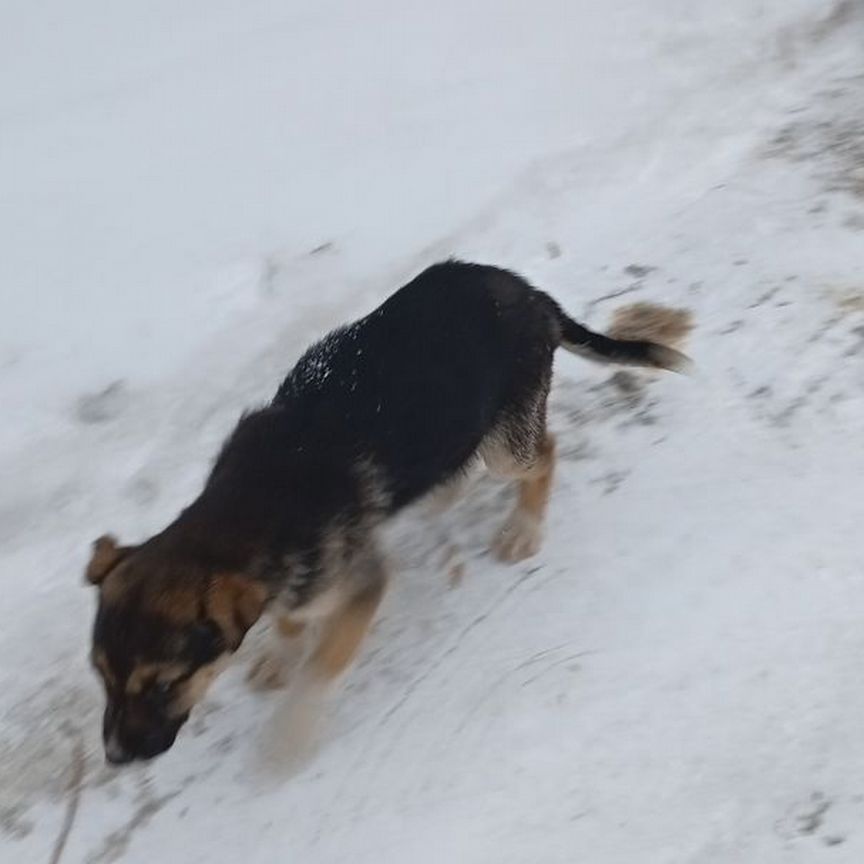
[273, 668]
[298, 719]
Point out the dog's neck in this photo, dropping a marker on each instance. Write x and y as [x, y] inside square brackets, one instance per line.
[268, 499]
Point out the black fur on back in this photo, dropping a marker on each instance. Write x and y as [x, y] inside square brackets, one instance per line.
[418, 383]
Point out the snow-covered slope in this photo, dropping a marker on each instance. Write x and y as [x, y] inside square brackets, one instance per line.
[193, 192]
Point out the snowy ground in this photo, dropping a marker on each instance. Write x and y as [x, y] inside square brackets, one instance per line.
[192, 192]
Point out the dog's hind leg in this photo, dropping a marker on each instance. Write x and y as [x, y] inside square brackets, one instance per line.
[522, 533]
[521, 449]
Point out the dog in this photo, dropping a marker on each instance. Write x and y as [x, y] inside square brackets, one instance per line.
[454, 367]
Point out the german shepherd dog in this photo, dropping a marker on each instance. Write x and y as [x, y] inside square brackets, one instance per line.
[452, 368]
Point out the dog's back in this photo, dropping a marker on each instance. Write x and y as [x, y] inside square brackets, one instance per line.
[418, 383]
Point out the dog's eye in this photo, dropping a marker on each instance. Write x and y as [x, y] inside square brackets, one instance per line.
[161, 690]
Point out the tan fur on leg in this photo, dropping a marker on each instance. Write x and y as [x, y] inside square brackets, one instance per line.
[522, 533]
[289, 627]
[298, 720]
[343, 633]
[272, 669]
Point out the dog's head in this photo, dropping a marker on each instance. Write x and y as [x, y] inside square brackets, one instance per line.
[164, 629]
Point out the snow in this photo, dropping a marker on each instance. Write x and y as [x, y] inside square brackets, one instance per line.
[192, 193]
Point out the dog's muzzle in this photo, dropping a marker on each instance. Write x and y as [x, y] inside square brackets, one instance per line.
[123, 744]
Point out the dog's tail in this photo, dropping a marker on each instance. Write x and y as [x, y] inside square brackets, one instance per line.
[628, 352]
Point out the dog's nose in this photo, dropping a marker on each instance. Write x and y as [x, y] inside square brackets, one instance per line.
[115, 753]
[118, 757]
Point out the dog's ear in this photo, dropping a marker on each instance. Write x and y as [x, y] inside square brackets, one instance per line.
[105, 557]
[236, 602]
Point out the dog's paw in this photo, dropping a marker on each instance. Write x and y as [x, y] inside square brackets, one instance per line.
[520, 537]
[291, 738]
[268, 672]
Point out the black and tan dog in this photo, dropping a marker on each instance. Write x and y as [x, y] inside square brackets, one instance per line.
[453, 367]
